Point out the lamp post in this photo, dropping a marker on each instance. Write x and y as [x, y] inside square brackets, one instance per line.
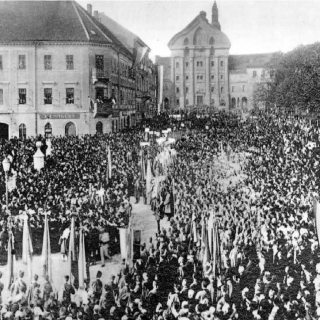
[6, 168]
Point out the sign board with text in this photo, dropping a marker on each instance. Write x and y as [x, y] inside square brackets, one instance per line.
[58, 116]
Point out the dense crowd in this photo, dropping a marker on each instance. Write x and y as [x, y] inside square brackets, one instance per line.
[267, 262]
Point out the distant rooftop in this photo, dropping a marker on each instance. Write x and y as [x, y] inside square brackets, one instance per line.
[260, 60]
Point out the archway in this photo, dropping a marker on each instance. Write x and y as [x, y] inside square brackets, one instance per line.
[70, 129]
[99, 127]
[48, 131]
[22, 131]
[128, 122]
[112, 125]
[233, 103]
[244, 102]
[4, 131]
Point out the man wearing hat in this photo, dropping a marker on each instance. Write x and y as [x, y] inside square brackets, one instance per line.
[104, 245]
[65, 292]
[97, 286]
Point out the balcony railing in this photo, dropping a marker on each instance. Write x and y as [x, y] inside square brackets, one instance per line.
[100, 74]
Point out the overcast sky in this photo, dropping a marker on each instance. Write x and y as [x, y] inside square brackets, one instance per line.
[252, 26]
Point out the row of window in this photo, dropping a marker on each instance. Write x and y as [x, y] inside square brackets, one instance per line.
[199, 64]
[47, 96]
[212, 89]
[233, 88]
[199, 101]
[47, 62]
[70, 128]
[200, 77]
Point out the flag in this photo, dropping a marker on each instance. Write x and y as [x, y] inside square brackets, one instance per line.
[138, 53]
[27, 249]
[148, 182]
[72, 259]
[82, 261]
[216, 254]
[317, 217]
[109, 163]
[46, 250]
[206, 251]
[11, 261]
[142, 165]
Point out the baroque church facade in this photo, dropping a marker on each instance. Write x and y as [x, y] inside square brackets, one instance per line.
[201, 73]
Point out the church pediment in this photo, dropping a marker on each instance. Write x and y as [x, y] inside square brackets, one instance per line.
[199, 32]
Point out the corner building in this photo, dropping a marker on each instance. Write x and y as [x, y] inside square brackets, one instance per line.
[59, 69]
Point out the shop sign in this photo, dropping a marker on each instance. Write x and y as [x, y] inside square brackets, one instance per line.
[59, 116]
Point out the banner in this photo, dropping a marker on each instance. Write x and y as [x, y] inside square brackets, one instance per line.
[82, 261]
[46, 250]
[27, 249]
[317, 217]
[138, 53]
[109, 163]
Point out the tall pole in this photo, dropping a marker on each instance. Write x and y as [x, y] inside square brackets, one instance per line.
[6, 173]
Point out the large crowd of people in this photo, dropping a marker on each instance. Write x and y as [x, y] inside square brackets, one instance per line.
[265, 264]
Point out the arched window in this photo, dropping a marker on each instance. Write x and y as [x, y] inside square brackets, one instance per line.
[186, 42]
[70, 129]
[244, 102]
[22, 131]
[233, 102]
[48, 131]
[211, 41]
[99, 127]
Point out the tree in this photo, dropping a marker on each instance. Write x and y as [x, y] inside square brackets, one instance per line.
[296, 82]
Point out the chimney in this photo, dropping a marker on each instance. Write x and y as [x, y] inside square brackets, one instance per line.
[89, 8]
[96, 15]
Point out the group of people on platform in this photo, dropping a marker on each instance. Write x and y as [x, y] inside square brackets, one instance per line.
[268, 262]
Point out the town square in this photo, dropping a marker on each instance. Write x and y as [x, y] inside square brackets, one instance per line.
[159, 160]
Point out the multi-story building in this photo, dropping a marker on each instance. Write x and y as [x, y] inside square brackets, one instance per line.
[200, 71]
[63, 72]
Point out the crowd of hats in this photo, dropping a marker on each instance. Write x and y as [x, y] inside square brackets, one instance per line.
[74, 180]
[269, 263]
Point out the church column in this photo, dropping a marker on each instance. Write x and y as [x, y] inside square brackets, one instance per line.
[226, 81]
[192, 79]
[207, 75]
[216, 82]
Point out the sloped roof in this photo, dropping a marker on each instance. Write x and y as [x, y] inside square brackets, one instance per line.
[107, 32]
[124, 35]
[163, 61]
[62, 21]
[220, 38]
[260, 60]
[45, 21]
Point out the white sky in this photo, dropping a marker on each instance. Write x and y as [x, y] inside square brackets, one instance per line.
[252, 26]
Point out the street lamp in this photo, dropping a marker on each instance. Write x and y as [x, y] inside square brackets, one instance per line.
[6, 168]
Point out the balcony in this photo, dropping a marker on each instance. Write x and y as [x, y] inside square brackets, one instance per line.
[102, 109]
[100, 75]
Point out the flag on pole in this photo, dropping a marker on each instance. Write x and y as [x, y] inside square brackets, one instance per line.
[142, 165]
[317, 217]
[46, 250]
[138, 53]
[11, 261]
[82, 261]
[216, 254]
[27, 248]
[72, 259]
[148, 182]
[109, 163]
